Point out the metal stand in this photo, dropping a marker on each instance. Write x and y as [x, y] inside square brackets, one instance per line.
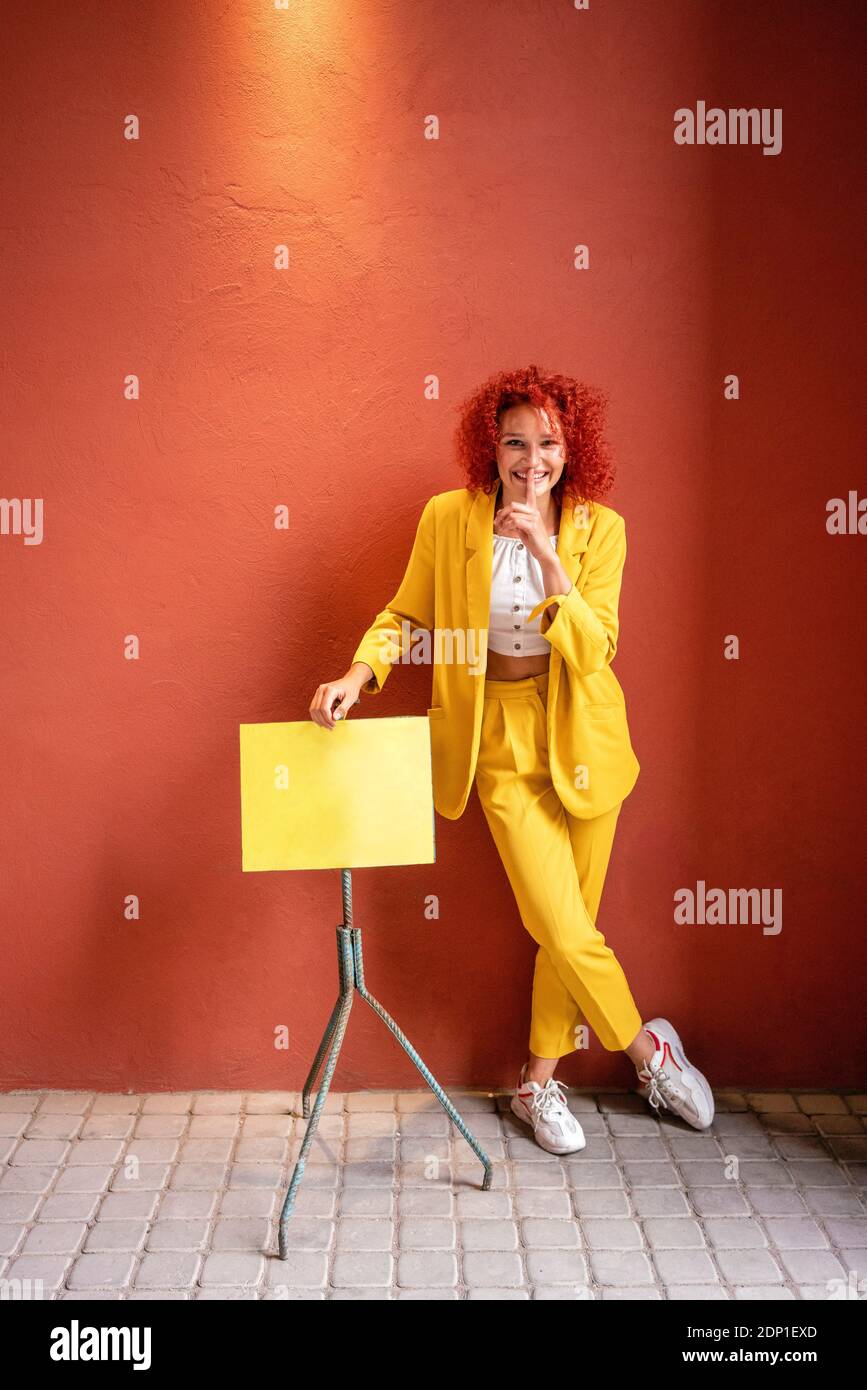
[350, 968]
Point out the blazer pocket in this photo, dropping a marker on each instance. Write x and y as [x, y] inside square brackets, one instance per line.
[602, 711]
[435, 712]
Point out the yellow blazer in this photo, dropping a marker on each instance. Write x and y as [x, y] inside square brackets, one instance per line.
[441, 610]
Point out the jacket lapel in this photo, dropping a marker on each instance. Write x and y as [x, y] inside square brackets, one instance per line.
[572, 541]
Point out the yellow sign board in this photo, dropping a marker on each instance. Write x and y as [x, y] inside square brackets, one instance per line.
[355, 796]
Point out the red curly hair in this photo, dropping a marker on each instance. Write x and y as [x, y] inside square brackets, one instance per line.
[587, 472]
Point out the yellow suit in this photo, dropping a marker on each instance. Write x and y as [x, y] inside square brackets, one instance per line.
[445, 592]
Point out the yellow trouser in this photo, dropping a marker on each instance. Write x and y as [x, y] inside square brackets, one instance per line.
[556, 865]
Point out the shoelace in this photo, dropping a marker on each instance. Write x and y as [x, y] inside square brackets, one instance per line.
[661, 1088]
[550, 1099]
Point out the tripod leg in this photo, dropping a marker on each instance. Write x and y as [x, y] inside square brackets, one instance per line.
[311, 1079]
[410, 1051]
[333, 1040]
[345, 983]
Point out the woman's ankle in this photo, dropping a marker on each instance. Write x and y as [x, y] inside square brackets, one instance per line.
[641, 1049]
[539, 1069]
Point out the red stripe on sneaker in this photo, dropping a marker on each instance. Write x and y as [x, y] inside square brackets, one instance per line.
[667, 1051]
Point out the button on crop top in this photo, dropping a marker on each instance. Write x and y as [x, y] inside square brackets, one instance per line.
[516, 589]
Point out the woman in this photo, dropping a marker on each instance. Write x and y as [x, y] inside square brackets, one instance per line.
[517, 576]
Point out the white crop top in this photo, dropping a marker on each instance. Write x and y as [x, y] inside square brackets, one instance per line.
[516, 589]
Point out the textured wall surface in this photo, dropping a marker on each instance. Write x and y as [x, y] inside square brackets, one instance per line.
[304, 386]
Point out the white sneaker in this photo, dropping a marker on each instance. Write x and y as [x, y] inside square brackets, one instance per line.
[544, 1107]
[668, 1079]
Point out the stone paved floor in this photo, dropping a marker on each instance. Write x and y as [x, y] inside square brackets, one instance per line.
[171, 1196]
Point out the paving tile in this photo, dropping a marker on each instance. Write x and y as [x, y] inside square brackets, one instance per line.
[12, 1239]
[248, 1201]
[771, 1100]
[541, 1234]
[167, 1103]
[777, 1201]
[371, 1101]
[162, 1125]
[368, 1124]
[177, 1235]
[833, 1201]
[562, 1293]
[309, 1233]
[811, 1266]
[428, 1233]
[629, 1294]
[763, 1293]
[217, 1102]
[169, 1269]
[425, 1295]
[821, 1103]
[544, 1202]
[795, 1233]
[690, 1293]
[36, 1152]
[364, 1233]
[620, 1267]
[238, 1267]
[377, 1201]
[66, 1102]
[368, 1295]
[849, 1232]
[685, 1267]
[38, 1275]
[488, 1235]
[112, 1270]
[557, 1266]
[115, 1236]
[492, 1269]
[29, 1178]
[734, 1233]
[302, 1269]
[611, 1233]
[749, 1266]
[483, 1204]
[660, 1201]
[434, 1200]
[66, 1206]
[366, 1267]
[241, 1233]
[14, 1124]
[131, 1206]
[272, 1102]
[391, 1205]
[50, 1126]
[672, 1233]
[268, 1126]
[19, 1101]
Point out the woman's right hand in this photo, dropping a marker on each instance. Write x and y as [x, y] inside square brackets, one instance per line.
[333, 700]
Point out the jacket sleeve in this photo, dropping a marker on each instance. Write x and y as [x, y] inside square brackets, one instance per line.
[413, 604]
[585, 627]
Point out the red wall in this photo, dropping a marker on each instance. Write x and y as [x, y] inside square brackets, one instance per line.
[304, 387]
